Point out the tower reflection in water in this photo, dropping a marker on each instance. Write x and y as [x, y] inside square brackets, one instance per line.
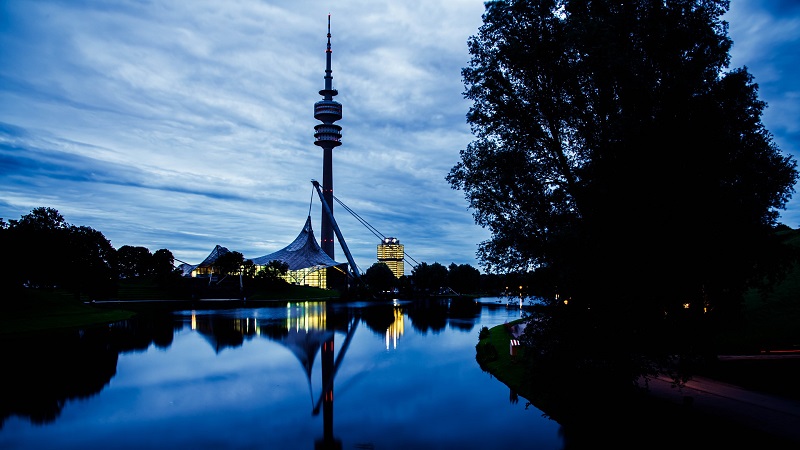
[306, 329]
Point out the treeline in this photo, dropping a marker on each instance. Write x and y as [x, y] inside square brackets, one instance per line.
[44, 251]
[48, 253]
[456, 279]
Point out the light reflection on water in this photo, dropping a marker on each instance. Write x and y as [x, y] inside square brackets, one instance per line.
[291, 376]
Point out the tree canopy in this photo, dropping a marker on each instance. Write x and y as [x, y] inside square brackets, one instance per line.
[230, 263]
[272, 272]
[615, 151]
[429, 278]
[48, 252]
[133, 261]
[163, 265]
[463, 278]
[379, 278]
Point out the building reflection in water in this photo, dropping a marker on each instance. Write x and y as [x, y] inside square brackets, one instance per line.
[306, 316]
[396, 328]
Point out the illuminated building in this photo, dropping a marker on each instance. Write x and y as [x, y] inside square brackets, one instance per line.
[391, 253]
[305, 259]
[207, 267]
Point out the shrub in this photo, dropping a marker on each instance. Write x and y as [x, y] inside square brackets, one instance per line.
[485, 353]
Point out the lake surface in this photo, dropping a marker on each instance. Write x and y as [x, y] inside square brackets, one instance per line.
[308, 375]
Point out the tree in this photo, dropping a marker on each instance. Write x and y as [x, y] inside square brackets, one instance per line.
[134, 261]
[51, 253]
[614, 150]
[271, 275]
[463, 278]
[162, 266]
[379, 278]
[38, 242]
[405, 285]
[273, 271]
[429, 278]
[248, 268]
[92, 266]
[229, 263]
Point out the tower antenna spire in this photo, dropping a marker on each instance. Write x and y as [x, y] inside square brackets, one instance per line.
[328, 76]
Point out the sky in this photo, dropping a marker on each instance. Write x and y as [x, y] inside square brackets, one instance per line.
[186, 125]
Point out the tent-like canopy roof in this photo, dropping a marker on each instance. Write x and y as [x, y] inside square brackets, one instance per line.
[209, 261]
[302, 253]
[212, 257]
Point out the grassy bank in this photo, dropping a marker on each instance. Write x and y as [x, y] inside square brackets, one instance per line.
[494, 356]
[40, 310]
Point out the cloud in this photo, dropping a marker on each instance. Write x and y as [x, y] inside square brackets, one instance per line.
[184, 125]
[766, 40]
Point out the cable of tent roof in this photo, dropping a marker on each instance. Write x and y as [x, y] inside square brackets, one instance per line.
[363, 221]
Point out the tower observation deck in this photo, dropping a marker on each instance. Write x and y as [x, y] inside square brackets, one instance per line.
[328, 136]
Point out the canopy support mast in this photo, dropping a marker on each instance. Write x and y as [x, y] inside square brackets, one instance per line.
[339, 236]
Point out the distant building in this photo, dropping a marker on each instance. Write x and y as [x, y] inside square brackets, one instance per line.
[391, 253]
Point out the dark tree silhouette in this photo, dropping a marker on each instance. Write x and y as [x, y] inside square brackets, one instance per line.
[463, 278]
[37, 243]
[379, 278]
[271, 275]
[134, 261]
[92, 266]
[429, 278]
[162, 268]
[615, 150]
[50, 253]
[273, 271]
[229, 263]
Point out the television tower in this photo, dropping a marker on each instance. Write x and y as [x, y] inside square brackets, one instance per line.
[328, 135]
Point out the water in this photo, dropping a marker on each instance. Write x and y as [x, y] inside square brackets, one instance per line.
[404, 377]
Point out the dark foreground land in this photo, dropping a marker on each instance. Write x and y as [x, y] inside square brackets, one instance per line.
[738, 400]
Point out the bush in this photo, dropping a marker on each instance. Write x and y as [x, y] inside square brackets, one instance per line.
[485, 353]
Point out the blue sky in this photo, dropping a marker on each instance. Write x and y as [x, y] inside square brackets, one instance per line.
[184, 125]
